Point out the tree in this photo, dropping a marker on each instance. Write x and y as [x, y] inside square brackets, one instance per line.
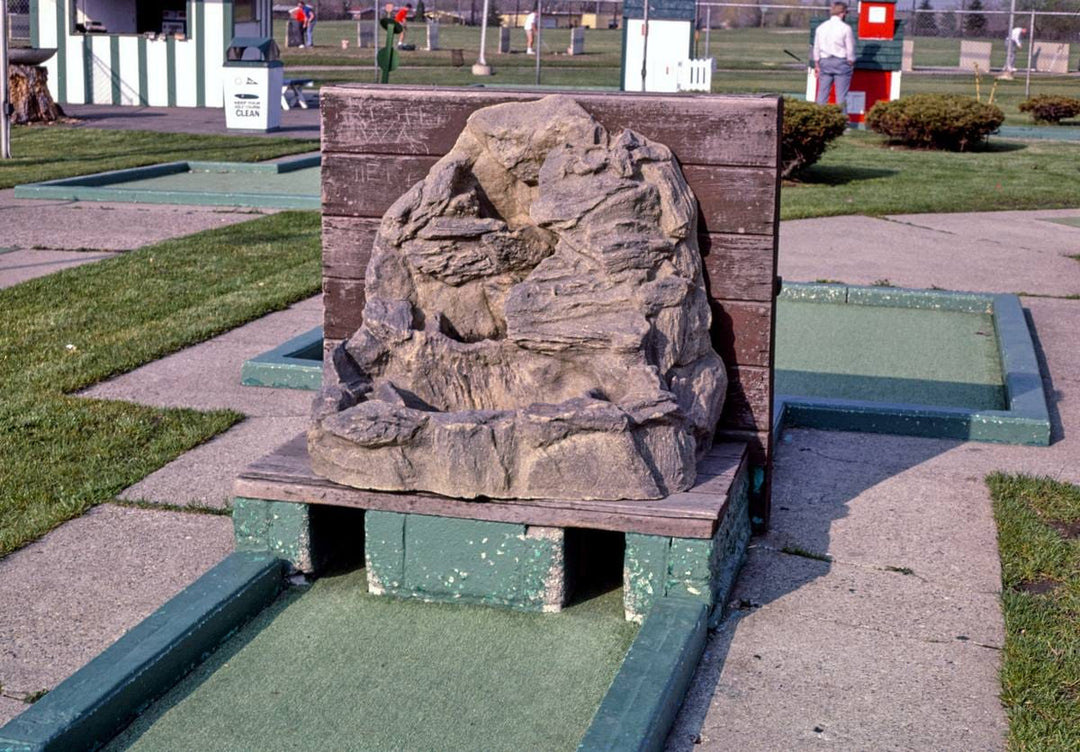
[975, 23]
[421, 12]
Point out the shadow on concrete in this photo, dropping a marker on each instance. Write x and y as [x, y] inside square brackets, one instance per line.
[816, 476]
[1053, 396]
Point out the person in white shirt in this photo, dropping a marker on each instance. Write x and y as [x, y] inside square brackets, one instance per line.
[1013, 42]
[530, 30]
[834, 57]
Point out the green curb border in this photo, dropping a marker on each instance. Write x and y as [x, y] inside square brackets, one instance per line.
[639, 708]
[295, 364]
[1026, 421]
[101, 698]
[102, 186]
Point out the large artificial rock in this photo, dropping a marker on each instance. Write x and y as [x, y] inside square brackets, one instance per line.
[536, 323]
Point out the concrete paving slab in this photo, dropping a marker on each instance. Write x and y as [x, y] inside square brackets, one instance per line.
[890, 602]
[9, 708]
[204, 476]
[20, 266]
[87, 225]
[295, 123]
[999, 252]
[790, 683]
[935, 521]
[71, 594]
[818, 666]
[207, 377]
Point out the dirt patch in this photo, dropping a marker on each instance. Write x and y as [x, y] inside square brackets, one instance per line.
[1041, 586]
[1066, 529]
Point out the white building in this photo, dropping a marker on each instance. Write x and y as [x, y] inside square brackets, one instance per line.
[142, 52]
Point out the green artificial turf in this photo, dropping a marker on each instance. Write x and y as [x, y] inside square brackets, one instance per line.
[303, 182]
[1038, 522]
[880, 354]
[48, 153]
[59, 454]
[334, 668]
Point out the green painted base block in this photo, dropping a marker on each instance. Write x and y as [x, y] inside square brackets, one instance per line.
[656, 567]
[468, 561]
[307, 537]
[333, 668]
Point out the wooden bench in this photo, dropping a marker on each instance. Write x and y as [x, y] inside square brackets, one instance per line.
[295, 87]
[282, 506]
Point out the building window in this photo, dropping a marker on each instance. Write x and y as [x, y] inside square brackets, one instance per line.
[155, 17]
[244, 11]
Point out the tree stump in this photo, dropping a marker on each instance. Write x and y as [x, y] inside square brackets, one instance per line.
[29, 92]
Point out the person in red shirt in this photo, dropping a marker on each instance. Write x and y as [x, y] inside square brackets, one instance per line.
[299, 14]
[400, 17]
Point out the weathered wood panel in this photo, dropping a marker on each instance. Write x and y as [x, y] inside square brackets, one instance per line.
[365, 119]
[737, 267]
[343, 306]
[737, 200]
[749, 399]
[286, 475]
[366, 186]
[347, 245]
[742, 331]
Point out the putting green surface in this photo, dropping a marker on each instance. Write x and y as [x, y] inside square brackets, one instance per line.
[881, 354]
[303, 182]
[333, 668]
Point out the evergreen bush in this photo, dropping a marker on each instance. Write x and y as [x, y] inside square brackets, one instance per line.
[1050, 108]
[808, 130]
[935, 121]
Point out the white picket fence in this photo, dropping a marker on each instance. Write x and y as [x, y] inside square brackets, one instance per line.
[695, 75]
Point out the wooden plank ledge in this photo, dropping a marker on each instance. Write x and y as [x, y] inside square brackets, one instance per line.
[285, 475]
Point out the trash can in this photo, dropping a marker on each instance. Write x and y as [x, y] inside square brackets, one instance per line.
[253, 76]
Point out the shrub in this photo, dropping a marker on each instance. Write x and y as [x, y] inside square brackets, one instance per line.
[808, 130]
[935, 121]
[1047, 108]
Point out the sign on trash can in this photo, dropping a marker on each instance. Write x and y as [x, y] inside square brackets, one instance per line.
[253, 77]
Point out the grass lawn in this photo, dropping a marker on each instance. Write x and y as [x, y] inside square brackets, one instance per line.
[861, 176]
[51, 152]
[60, 455]
[1039, 538]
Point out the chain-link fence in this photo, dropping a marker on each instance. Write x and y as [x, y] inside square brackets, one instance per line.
[946, 38]
[18, 20]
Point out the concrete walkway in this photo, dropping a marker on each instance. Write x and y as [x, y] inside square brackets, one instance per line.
[893, 644]
[42, 237]
[295, 123]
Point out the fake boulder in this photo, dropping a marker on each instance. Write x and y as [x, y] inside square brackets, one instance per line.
[536, 323]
